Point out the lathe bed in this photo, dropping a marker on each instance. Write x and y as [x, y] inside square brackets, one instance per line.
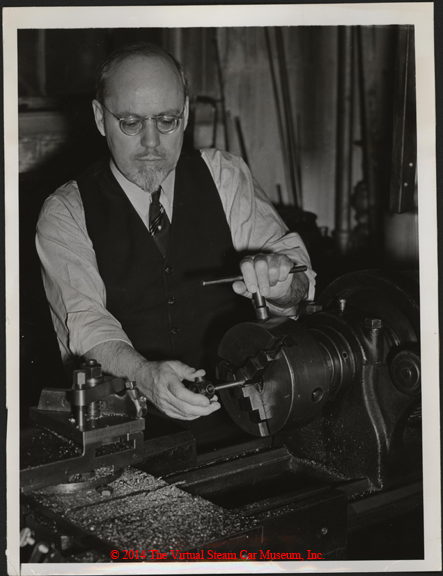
[332, 400]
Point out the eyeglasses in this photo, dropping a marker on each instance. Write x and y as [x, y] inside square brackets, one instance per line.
[133, 125]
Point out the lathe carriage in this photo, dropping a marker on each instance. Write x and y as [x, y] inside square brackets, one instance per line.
[328, 415]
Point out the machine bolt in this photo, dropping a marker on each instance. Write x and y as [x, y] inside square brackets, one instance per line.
[342, 304]
[373, 323]
[93, 410]
[79, 379]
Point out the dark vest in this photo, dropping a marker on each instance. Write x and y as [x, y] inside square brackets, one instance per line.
[160, 302]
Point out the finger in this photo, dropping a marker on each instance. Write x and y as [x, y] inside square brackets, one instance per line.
[172, 406]
[284, 267]
[247, 267]
[179, 391]
[191, 373]
[240, 288]
[275, 272]
[187, 411]
[262, 274]
[198, 374]
[185, 372]
[183, 415]
[177, 415]
[189, 403]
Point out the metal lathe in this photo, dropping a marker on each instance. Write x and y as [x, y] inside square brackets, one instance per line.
[328, 409]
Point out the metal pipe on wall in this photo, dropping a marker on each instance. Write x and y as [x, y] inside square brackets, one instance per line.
[278, 110]
[222, 89]
[41, 61]
[344, 139]
[287, 108]
[371, 169]
[174, 43]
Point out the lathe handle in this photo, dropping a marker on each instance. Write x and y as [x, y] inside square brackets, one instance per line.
[229, 279]
[258, 301]
[260, 307]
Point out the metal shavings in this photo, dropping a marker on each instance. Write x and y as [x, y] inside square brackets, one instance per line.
[87, 557]
[112, 448]
[56, 448]
[130, 481]
[173, 519]
[146, 513]
[109, 510]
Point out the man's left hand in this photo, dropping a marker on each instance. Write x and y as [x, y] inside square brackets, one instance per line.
[269, 274]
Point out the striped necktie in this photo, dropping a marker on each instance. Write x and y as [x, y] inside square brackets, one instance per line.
[159, 225]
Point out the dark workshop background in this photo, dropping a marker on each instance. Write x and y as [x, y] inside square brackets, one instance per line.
[324, 116]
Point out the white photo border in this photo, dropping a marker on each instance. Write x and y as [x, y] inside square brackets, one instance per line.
[419, 14]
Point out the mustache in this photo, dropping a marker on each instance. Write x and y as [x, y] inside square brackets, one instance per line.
[155, 156]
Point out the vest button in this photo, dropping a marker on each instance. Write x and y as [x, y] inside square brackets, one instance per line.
[169, 270]
[175, 330]
[171, 300]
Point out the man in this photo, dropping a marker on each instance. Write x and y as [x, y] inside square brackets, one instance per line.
[125, 247]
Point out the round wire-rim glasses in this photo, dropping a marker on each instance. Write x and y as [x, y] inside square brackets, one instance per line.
[133, 125]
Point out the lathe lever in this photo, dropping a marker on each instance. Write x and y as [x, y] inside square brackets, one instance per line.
[258, 301]
[228, 279]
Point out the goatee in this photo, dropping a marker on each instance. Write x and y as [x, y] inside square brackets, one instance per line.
[149, 179]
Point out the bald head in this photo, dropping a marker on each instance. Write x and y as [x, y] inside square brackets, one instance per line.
[150, 79]
[127, 57]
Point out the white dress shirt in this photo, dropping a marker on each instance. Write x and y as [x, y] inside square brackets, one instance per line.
[74, 288]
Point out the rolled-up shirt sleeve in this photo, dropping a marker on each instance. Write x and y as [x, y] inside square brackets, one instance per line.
[74, 288]
[255, 225]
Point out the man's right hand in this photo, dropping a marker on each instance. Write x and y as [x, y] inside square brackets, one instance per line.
[161, 382]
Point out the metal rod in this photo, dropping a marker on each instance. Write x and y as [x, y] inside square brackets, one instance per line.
[287, 105]
[229, 384]
[241, 140]
[298, 157]
[222, 90]
[213, 103]
[281, 132]
[226, 280]
[344, 139]
[41, 62]
[367, 131]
